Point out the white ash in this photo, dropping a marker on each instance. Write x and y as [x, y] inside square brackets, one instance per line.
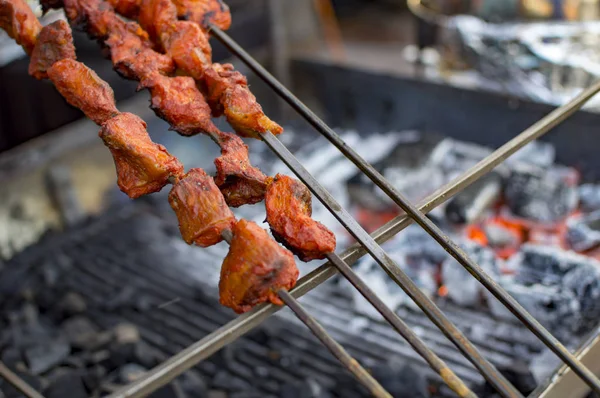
[589, 197]
[463, 288]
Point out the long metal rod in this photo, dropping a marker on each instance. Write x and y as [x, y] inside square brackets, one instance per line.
[228, 333]
[337, 350]
[453, 381]
[506, 299]
[17, 382]
[447, 375]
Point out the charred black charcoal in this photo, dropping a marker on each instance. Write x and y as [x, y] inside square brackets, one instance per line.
[583, 233]
[130, 372]
[470, 204]
[34, 381]
[462, 287]
[82, 334]
[47, 354]
[225, 381]
[193, 384]
[307, 388]
[93, 377]
[536, 194]
[72, 304]
[401, 379]
[171, 390]
[518, 374]
[69, 385]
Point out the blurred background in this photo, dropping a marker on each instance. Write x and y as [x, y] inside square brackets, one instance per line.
[423, 89]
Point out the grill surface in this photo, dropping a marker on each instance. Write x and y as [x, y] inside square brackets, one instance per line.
[173, 303]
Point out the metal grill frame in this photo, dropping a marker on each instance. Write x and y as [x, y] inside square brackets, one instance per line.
[205, 347]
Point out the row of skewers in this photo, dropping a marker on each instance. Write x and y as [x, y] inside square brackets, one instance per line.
[163, 45]
[171, 58]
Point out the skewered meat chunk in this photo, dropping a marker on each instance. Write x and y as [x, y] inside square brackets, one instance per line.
[82, 88]
[289, 208]
[228, 93]
[203, 12]
[96, 17]
[18, 20]
[188, 45]
[239, 181]
[132, 54]
[180, 103]
[54, 43]
[201, 209]
[255, 268]
[156, 15]
[142, 166]
[128, 8]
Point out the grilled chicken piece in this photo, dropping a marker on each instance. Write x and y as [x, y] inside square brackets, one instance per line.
[239, 181]
[18, 20]
[96, 17]
[142, 166]
[54, 43]
[255, 268]
[128, 8]
[156, 15]
[203, 12]
[289, 208]
[82, 88]
[228, 93]
[201, 209]
[188, 45]
[178, 101]
[132, 54]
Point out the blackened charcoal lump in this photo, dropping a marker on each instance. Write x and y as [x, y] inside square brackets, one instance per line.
[471, 202]
[402, 379]
[539, 195]
[584, 282]
[546, 264]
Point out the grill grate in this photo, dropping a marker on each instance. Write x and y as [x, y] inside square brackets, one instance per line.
[222, 336]
[103, 254]
[190, 356]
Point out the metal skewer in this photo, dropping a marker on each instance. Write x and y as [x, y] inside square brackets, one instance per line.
[241, 325]
[506, 299]
[18, 382]
[336, 349]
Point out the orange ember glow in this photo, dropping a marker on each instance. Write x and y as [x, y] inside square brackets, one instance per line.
[443, 291]
[477, 234]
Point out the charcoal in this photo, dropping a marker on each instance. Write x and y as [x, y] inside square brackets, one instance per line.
[93, 377]
[583, 233]
[584, 282]
[535, 194]
[401, 380]
[126, 333]
[47, 354]
[462, 287]
[147, 356]
[171, 390]
[307, 388]
[130, 372]
[12, 358]
[68, 385]
[518, 374]
[217, 394]
[83, 334]
[541, 154]
[469, 205]
[193, 384]
[225, 381]
[72, 304]
[34, 381]
[589, 197]
[545, 264]
[555, 307]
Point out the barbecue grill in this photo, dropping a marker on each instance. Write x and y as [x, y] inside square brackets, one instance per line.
[226, 334]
